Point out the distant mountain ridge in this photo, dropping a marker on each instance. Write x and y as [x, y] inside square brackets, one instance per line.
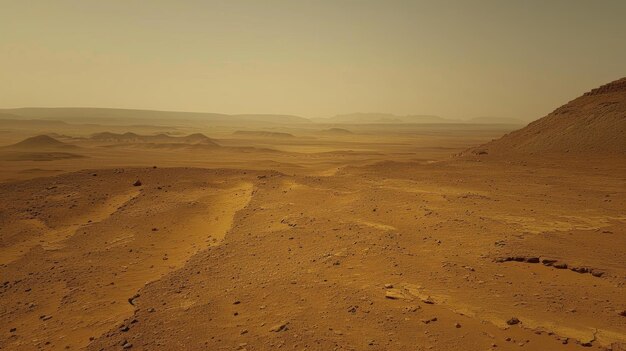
[114, 116]
[389, 118]
[99, 115]
[381, 118]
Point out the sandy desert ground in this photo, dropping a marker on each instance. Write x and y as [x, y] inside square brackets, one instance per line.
[313, 237]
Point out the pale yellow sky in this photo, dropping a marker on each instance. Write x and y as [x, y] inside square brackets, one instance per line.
[457, 59]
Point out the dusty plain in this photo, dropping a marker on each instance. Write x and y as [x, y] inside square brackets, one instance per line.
[306, 237]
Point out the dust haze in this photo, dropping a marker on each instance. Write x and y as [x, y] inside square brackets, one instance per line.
[440, 224]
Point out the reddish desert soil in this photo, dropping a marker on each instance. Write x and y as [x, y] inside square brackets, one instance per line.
[362, 259]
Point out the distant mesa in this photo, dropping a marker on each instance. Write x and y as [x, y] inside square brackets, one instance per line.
[132, 138]
[382, 118]
[41, 142]
[336, 131]
[263, 134]
[594, 123]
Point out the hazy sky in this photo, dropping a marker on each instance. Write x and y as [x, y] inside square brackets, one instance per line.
[457, 59]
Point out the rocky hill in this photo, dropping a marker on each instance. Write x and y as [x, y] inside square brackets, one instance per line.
[592, 123]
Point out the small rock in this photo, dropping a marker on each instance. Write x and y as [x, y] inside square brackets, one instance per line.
[597, 273]
[127, 345]
[512, 321]
[428, 300]
[622, 313]
[457, 325]
[580, 269]
[412, 308]
[394, 294]
[131, 300]
[548, 262]
[137, 183]
[279, 327]
[388, 286]
[426, 321]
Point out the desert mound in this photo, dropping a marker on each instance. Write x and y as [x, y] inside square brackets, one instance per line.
[41, 142]
[38, 148]
[263, 134]
[592, 123]
[129, 137]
